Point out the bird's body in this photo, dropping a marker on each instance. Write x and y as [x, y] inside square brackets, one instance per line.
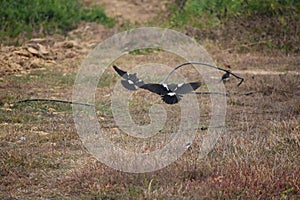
[225, 77]
[170, 93]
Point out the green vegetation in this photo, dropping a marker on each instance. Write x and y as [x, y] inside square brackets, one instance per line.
[38, 17]
[271, 23]
[145, 51]
[216, 11]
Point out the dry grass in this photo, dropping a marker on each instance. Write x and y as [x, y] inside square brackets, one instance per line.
[257, 158]
[42, 157]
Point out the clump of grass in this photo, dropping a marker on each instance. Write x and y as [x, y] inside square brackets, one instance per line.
[31, 18]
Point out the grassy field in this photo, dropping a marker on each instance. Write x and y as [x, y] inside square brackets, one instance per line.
[258, 157]
[42, 156]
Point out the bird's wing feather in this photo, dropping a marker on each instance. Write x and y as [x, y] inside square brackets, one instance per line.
[155, 88]
[127, 85]
[127, 76]
[187, 87]
[119, 71]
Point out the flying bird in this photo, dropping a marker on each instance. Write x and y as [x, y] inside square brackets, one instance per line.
[170, 93]
[131, 81]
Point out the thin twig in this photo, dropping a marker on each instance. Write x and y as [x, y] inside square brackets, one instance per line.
[205, 64]
[54, 100]
[220, 93]
[248, 93]
[203, 128]
[228, 94]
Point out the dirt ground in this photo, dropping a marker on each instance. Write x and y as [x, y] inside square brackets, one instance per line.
[42, 156]
[133, 11]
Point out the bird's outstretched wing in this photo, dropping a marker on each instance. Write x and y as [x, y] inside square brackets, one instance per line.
[131, 80]
[186, 88]
[171, 93]
[155, 88]
[120, 72]
[128, 85]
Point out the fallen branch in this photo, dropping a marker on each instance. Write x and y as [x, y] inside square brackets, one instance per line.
[228, 94]
[204, 64]
[54, 100]
[220, 93]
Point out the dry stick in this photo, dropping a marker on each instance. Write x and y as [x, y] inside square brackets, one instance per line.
[220, 93]
[55, 100]
[205, 64]
[229, 94]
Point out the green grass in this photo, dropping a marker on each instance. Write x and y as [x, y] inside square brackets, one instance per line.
[216, 11]
[145, 51]
[269, 24]
[40, 17]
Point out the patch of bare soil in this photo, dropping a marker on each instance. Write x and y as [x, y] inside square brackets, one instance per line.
[134, 11]
[59, 51]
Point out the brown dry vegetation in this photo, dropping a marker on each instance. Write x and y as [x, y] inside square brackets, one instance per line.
[257, 157]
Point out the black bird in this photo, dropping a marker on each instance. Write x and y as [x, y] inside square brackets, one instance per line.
[171, 93]
[225, 76]
[131, 80]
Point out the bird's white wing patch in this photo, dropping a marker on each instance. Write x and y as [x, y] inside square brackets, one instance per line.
[165, 86]
[171, 94]
[130, 82]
